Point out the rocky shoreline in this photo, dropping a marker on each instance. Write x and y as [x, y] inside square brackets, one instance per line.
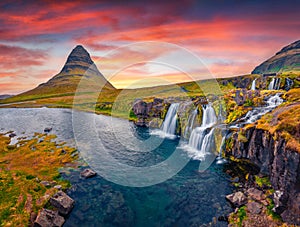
[61, 206]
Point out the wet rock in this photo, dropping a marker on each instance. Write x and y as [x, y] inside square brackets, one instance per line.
[62, 202]
[79, 215]
[255, 194]
[11, 135]
[223, 218]
[254, 207]
[155, 123]
[47, 130]
[48, 218]
[88, 173]
[237, 199]
[235, 180]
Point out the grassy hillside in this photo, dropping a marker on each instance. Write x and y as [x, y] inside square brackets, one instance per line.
[119, 102]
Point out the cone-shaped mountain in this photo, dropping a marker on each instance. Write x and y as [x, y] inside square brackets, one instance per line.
[78, 65]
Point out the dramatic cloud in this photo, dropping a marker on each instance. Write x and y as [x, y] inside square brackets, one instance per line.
[231, 37]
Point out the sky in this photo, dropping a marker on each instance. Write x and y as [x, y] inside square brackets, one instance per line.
[229, 37]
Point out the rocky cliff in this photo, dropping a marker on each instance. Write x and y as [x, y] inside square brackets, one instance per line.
[277, 160]
[287, 59]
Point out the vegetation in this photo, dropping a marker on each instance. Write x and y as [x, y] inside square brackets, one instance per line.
[285, 121]
[262, 181]
[23, 169]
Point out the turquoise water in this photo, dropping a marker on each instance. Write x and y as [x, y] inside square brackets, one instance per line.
[189, 198]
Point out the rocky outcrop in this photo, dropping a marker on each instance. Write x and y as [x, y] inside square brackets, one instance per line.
[151, 114]
[62, 202]
[237, 199]
[49, 218]
[287, 59]
[241, 96]
[279, 162]
[88, 173]
[146, 111]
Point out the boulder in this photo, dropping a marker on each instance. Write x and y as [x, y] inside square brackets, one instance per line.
[254, 207]
[255, 194]
[48, 218]
[237, 199]
[11, 135]
[62, 202]
[47, 130]
[88, 173]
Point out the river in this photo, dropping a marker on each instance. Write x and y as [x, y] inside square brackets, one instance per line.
[189, 198]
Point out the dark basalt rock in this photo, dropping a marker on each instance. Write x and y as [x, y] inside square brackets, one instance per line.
[11, 135]
[47, 130]
[279, 162]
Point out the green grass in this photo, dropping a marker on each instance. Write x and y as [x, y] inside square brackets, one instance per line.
[21, 170]
[241, 215]
[262, 181]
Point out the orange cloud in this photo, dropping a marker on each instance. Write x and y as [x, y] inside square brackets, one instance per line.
[229, 40]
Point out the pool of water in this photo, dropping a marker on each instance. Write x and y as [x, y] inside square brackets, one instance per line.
[189, 198]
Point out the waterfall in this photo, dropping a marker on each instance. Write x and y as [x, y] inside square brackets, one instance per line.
[274, 101]
[197, 137]
[209, 116]
[253, 85]
[170, 122]
[275, 84]
[256, 113]
[220, 159]
[221, 117]
[202, 138]
[190, 123]
[288, 84]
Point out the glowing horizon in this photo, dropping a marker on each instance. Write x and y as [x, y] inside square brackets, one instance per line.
[36, 38]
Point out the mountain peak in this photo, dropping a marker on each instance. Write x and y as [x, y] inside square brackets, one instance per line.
[78, 58]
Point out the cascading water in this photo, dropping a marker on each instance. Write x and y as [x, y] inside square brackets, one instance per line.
[202, 138]
[221, 117]
[253, 85]
[220, 159]
[170, 123]
[209, 116]
[275, 84]
[288, 84]
[190, 123]
[256, 113]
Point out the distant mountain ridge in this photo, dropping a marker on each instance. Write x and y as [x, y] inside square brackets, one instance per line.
[5, 96]
[287, 59]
